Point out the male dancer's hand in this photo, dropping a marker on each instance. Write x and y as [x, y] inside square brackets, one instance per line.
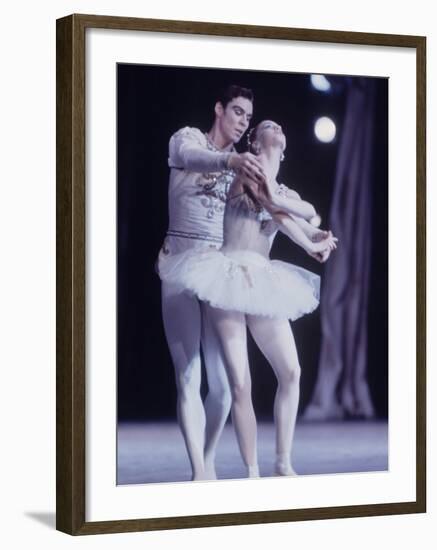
[248, 165]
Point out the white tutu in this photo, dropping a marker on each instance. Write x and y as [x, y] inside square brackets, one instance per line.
[243, 281]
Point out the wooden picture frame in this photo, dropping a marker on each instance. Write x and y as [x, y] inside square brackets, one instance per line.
[71, 275]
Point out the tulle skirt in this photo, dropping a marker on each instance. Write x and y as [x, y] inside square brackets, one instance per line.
[243, 281]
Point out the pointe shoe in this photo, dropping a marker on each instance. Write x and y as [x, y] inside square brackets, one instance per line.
[283, 466]
[210, 472]
[253, 471]
[207, 474]
[200, 477]
[282, 469]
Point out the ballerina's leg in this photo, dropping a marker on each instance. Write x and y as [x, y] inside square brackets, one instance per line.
[231, 331]
[274, 338]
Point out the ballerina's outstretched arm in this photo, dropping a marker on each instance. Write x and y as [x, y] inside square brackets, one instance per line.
[311, 227]
[290, 228]
[287, 200]
[291, 205]
[291, 213]
[316, 235]
[277, 202]
[280, 201]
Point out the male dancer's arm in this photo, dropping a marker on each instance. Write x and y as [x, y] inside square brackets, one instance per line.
[186, 151]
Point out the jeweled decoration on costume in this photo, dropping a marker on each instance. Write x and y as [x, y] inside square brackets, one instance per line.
[214, 187]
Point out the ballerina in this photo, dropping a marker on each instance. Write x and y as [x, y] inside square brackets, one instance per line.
[240, 286]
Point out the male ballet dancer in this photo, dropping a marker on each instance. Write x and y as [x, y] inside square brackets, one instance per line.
[202, 167]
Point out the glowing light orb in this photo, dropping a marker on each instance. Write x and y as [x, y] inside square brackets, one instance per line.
[320, 82]
[324, 129]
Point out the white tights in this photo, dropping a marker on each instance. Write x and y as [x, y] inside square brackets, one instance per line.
[201, 425]
[275, 339]
[230, 327]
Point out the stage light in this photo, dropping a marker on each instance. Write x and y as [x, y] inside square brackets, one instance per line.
[320, 82]
[324, 129]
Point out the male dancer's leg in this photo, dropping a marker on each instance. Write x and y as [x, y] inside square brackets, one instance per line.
[182, 324]
[274, 338]
[218, 400]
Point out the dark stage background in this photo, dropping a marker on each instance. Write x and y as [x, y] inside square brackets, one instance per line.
[154, 102]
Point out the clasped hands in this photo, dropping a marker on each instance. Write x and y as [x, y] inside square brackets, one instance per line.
[248, 165]
[326, 241]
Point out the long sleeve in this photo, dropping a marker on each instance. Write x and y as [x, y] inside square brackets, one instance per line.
[187, 151]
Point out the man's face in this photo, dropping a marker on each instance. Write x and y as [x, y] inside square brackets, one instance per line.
[234, 120]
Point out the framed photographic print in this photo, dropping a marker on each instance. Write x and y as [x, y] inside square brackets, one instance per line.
[240, 274]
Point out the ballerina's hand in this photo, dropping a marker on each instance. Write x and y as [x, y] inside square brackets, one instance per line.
[319, 236]
[321, 256]
[328, 243]
[325, 255]
[332, 241]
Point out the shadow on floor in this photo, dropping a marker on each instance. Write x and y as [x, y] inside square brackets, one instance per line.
[46, 518]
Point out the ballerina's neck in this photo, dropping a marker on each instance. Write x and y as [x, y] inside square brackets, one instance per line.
[270, 158]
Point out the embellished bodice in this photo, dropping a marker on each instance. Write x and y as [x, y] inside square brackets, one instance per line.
[247, 226]
[199, 184]
[213, 189]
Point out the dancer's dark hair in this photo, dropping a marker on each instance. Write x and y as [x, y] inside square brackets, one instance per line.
[232, 91]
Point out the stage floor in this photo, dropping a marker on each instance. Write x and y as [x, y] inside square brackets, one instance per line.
[155, 452]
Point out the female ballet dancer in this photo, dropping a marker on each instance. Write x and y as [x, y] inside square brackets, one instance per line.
[240, 286]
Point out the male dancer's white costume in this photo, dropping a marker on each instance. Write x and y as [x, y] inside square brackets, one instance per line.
[199, 183]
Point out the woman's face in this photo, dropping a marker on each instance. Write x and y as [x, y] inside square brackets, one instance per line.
[270, 134]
